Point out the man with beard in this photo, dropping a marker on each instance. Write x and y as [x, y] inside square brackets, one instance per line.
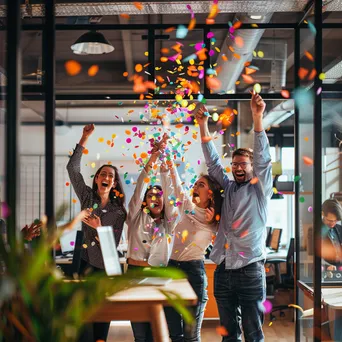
[239, 249]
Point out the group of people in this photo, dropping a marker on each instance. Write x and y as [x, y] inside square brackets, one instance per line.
[162, 234]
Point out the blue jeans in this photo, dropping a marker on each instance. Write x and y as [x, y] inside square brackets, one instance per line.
[178, 329]
[239, 295]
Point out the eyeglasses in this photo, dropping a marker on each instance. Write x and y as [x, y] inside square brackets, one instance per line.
[243, 165]
[330, 221]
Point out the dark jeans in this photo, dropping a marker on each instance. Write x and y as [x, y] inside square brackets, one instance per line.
[142, 331]
[179, 330]
[99, 330]
[239, 295]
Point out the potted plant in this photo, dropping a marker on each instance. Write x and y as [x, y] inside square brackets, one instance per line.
[36, 302]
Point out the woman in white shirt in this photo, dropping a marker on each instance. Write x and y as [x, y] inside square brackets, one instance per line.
[149, 228]
[193, 234]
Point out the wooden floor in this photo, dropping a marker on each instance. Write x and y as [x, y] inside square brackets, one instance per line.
[281, 330]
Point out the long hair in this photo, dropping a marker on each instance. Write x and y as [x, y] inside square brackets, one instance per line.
[144, 203]
[216, 200]
[116, 193]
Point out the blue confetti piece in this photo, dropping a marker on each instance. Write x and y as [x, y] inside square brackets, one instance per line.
[182, 31]
[303, 97]
[312, 28]
[187, 59]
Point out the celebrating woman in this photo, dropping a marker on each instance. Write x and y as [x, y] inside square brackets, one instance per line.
[105, 202]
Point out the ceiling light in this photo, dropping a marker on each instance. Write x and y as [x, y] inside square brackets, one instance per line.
[92, 43]
[255, 16]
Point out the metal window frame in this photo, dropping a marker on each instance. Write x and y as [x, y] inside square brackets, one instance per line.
[46, 92]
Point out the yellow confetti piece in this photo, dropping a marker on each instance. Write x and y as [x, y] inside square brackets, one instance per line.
[322, 76]
[100, 140]
[257, 88]
[85, 246]
[93, 165]
[261, 54]
[296, 307]
[275, 190]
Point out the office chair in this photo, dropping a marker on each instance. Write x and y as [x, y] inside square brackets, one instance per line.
[280, 281]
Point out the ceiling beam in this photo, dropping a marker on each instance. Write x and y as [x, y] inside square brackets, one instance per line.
[127, 47]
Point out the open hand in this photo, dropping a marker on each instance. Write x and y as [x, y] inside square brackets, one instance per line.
[32, 231]
[88, 130]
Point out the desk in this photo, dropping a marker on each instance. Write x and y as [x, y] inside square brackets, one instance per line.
[145, 303]
[332, 301]
[280, 254]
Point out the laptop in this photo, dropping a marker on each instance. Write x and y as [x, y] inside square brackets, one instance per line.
[109, 251]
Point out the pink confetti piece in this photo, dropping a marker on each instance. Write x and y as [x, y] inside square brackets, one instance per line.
[128, 140]
[210, 35]
[191, 11]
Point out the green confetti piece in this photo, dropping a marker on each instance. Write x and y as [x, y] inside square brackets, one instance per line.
[95, 206]
[301, 199]
[297, 178]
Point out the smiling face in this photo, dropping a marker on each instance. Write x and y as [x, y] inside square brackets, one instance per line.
[202, 194]
[242, 169]
[155, 202]
[105, 180]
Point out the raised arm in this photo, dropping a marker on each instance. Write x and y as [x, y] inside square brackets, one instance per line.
[212, 158]
[262, 165]
[74, 164]
[136, 201]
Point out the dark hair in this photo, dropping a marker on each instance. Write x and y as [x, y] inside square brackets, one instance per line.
[216, 201]
[245, 152]
[150, 187]
[334, 207]
[117, 193]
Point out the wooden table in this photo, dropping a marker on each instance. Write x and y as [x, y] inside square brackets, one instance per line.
[145, 304]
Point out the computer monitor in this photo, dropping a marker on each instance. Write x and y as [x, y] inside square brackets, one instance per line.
[268, 236]
[275, 238]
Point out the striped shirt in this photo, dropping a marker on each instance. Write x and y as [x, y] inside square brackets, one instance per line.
[242, 231]
[111, 215]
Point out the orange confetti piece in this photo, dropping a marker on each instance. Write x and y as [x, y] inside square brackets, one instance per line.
[226, 246]
[74, 200]
[254, 180]
[170, 29]
[312, 75]
[209, 21]
[309, 56]
[163, 59]
[67, 183]
[146, 180]
[143, 155]
[306, 138]
[72, 67]
[221, 330]
[247, 79]
[249, 71]
[85, 151]
[138, 5]
[244, 234]
[227, 169]
[213, 83]
[125, 74]
[307, 161]
[192, 24]
[217, 217]
[108, 142]
[239, 41]
[93, 70]
[124, 15]
[180, 125]
[224, 57]
[237, 25]
[138, 68]
[302, 72]
[128, 132]
[285, 94]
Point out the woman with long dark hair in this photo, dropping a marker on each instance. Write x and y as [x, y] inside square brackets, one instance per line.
[198, 224]
[105, 202]
[150, 224]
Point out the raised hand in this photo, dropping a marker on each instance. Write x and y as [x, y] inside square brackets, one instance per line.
[199, 114]
[164, 167]
[258, 106]
[88, 130]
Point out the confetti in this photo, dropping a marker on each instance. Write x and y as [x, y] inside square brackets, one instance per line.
[67, 183]
[285, 94]
[138, 5]
[138, 68]
[257, 88]
[72, 67]
[307, 161]
[93, 70]
[221, 330]
[181, 32]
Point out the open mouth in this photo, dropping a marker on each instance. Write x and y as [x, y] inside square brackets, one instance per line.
[154, 205]
[196, 197]
[240, 174]
[104, 184]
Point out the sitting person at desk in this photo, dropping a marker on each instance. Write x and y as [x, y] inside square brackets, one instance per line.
[332, 234]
